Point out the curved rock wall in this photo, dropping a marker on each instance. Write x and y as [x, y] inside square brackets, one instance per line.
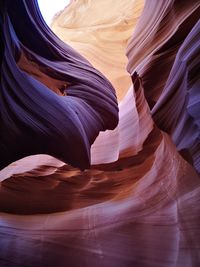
[35, 120]
[138, 204]
[100, 30]
[164, 50]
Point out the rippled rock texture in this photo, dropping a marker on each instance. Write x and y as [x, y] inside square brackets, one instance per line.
[35, 119]
[100, 30]
[164, 49]
[138, 203]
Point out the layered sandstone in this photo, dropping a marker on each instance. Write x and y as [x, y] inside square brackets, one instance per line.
[138, 203]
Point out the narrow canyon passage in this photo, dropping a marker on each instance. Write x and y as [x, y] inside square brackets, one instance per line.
[99, 134]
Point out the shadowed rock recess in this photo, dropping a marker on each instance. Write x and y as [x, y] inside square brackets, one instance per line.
[100, 163]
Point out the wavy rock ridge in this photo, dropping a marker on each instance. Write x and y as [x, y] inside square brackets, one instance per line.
[100, 30]
[30, 111]
[138, 204]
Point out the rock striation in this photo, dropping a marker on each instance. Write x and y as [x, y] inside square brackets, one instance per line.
[100, 31]
[138, 203]
[164, 50]
[34, 118]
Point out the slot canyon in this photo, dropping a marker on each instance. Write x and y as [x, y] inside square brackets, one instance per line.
[100, 134]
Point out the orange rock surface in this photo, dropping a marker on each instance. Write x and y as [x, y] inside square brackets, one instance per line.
[138, 204]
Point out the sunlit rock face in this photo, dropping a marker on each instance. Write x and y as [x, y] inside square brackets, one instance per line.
[138, 204]
[100, 30]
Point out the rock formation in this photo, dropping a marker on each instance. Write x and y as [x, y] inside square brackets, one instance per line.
[34, 119]
[138, 203]
[165, 52]
[100, 30]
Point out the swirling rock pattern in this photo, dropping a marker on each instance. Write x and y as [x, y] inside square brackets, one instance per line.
[164, 49]
[100, 30]
[138, 204]
[34, 119]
